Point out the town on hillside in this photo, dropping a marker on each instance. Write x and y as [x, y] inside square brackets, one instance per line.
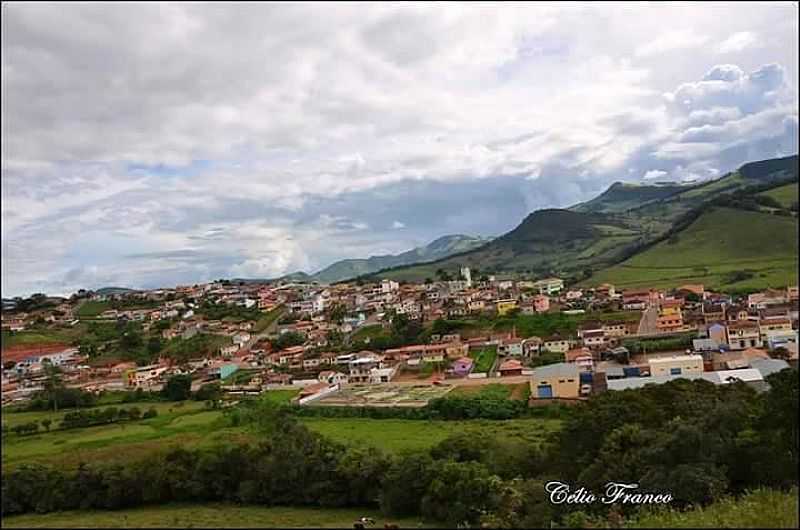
[396, 344]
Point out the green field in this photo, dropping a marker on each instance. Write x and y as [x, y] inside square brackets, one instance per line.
[42, 336]
[712, 250]
[399, 435]
[91, 308]
[367, 332]
[191, 425]
[186, 425]
[209, 515]
[484, 359]
[268, 319]
[518, 391]
[786, 195]
[759, 509]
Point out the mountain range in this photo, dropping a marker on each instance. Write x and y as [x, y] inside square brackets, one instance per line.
[623, 221]
[351, 268]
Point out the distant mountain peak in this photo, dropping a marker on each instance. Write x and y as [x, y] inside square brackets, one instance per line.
[441, 247]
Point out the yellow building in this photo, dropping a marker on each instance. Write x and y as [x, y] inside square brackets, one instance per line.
[505, 306]
[676, 365]
[560, 380]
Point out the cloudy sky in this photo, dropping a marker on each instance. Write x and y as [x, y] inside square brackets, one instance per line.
[154, 144]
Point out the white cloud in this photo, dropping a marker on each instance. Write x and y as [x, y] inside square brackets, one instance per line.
[671, 41]
[737, 42]
[398, 225]
[654, 174]
[130, 146]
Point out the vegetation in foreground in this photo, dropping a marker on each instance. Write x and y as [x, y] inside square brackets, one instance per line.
[210, 515]
[762, 508]
[699, 441]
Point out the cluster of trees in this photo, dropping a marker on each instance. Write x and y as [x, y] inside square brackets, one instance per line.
[61, 397]
[693, 439]
[219, 311]
[651, 345]
[30, 427]
[87, 418]
[288, 339]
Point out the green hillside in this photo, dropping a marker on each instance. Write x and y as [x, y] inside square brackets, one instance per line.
[785, 195]
[723, 248]
[440, 248]
[604, 231]
[547, 240]
[622, 196]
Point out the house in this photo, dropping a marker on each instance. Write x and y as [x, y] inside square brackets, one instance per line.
[773, 325]
[605, 290]
[549, 286]
[713, 312]
[676, 365]
[637, 299]
[511, 347]
[382, 375]
[332, 377]
[143, 376]
[743, 334]
[718, 333]
[560, 380]
[615, 329]
[227, 351]
[462, 366]
[505, 306]
[361, 367]
[594, 339]
[511, 367]
[556, 344]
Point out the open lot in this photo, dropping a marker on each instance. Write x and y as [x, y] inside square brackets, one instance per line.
[384, 395]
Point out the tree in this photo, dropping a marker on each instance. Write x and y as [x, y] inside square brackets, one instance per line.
[289, 339]
[178, 388]
[131, 340]
[150, 413]
[209, 392]
[154, 345]
[46, 424]
[134, 413]
[53, 383]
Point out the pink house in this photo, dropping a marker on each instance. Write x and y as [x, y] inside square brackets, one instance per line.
[462, 366]
[541, 303]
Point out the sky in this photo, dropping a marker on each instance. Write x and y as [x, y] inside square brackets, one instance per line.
[149, 145]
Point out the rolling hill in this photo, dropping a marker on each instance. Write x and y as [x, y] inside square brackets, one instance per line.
[440, 248]
[622, 196]
[723, 248]
[601, 232]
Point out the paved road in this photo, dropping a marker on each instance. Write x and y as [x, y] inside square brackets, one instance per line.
[647, 325]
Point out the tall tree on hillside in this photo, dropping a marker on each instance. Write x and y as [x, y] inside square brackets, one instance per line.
[52, 383]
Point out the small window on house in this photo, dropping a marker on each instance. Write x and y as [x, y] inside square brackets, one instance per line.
[560, 380]
[674, 371]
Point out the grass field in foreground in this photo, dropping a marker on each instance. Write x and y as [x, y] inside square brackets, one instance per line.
[759, 509]
[212, 515]
[718, 244]
[398, 435]
[191, 425]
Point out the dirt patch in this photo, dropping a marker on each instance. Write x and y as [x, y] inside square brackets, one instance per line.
[21, 351]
